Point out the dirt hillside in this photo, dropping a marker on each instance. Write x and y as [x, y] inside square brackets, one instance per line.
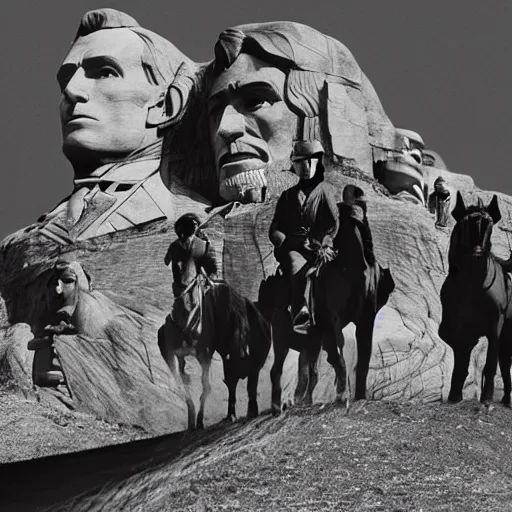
[378, 456]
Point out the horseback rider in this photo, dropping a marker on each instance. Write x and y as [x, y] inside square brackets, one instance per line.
[354, 208]
[304, 226]
[190, 255]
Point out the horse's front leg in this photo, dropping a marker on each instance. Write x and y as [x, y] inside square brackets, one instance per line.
[491, 364]
[252, 392]
[185, 378]
[334, 338]
[281, 350]
[302, 377]
[364, 336]
[461, 357]
[312, 352]
[231, 380]
[205, 360]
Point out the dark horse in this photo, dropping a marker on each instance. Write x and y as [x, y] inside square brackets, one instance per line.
[344, 291]
[227, 323]
[476, 299]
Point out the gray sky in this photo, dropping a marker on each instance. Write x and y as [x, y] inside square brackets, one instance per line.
[440, 67]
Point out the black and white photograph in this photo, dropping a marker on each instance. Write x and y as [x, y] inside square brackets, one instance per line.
[256, 256]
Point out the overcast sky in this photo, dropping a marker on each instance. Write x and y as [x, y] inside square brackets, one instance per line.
[440, 67]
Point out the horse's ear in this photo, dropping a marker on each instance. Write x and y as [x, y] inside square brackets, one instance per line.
[494, 210]
[460, 208]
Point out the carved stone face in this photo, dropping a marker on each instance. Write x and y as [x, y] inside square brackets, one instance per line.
[70, 280]
[105, 97]
[250, 124]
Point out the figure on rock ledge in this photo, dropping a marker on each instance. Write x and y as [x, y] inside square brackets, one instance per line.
[439, 202]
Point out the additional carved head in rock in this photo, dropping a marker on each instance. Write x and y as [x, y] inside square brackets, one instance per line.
[113, 82]
[401, 172]
[70, 279]
[276, 82]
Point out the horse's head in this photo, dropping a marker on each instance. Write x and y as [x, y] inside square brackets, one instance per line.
[472, 232]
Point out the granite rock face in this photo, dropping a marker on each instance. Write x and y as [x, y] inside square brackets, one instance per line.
[105, 357]
[117, 373]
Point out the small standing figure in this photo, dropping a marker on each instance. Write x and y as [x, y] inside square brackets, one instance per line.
[190, 256]
[304, 225]
[439, 202]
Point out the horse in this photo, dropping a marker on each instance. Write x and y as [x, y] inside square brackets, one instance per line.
[227, 323]
[476, 299]
[345, 290]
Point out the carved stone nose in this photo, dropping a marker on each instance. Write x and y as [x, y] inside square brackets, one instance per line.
[232, 124]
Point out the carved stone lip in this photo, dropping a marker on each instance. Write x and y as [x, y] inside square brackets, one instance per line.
[229, 158]
[79, 117]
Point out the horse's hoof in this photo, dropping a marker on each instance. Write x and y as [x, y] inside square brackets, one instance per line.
[486, 402]
[454, 399]
[506, 401]
[276, 410]
[230, 418]
[343, 402]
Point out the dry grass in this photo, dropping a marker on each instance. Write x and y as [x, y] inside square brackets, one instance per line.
[380, 456]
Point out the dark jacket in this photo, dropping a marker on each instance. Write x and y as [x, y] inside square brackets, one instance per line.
[298, 215]
[357, 215]
[188, 258]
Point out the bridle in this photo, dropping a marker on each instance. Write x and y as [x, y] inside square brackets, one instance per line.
[474, 233]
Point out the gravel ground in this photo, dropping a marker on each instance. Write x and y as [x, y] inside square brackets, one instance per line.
[30, 428]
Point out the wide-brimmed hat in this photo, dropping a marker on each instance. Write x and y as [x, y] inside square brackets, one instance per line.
[303, 149]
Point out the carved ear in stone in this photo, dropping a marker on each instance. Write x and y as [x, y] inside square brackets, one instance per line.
[494, 210]
[171, 104]
[460, 208]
